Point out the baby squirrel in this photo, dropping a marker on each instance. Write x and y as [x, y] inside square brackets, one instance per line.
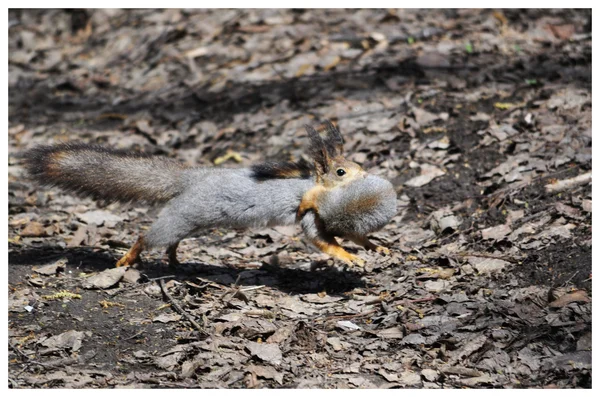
[332, 197]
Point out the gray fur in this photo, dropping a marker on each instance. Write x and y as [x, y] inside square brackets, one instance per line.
[337, 207]
[229, 198]
[310, 227]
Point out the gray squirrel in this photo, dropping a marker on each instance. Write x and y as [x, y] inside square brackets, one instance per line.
[330, 197]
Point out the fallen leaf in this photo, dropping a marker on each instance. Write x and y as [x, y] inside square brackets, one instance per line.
[106, 279]
[335, 343]
[348, 325]
[53, 268]
[34, 229]
[229, 155]
[566, 184]
[267, 352]
[488, 265]
[78, 238]
[428, 173]
[423, 117]
[444, 219]
[68, 340]
[391, 333]
[586, 205]
[563, 32]
[99, 218]
[430, 374]
[20, 299]
[131, 276]
[506, 105]
[576, 296]
[496, 233]
[167, 318]
[410, 378]
[266, 372]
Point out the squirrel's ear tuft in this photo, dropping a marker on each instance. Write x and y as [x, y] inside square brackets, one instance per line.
[318, 150]
[333, 139]
[326, 142]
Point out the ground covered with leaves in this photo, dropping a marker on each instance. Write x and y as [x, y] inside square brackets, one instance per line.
[481, 119]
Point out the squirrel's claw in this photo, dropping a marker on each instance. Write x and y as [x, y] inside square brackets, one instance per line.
[126, 260]
[383, 250]
[133, 255]
[354, 260]
[364, 241]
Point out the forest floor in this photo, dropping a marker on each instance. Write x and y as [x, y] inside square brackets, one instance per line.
[480, 118]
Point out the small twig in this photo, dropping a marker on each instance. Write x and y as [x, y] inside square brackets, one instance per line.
[427, 299]
[261, 313]
[159, 278]
[237, 292]
[210, 283]
[179, 308]
[547, 209]
[141, 284]
[135, 336]
[252, 288]
[570, 278]
[29, 362]
[467, 254]
[347, 316]
[15, 348]
[514, 188]
[567, 184]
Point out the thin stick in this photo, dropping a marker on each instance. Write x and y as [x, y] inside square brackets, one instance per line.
[567, 184]
[179, 308]
[120, 291]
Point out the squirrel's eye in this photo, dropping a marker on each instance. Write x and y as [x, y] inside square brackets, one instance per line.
[340, 172]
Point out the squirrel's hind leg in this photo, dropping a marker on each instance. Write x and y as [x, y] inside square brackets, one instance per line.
[133, 255]
[363, 241]
[313, 229]
[172, 226]
[172, 255]
[331, 247]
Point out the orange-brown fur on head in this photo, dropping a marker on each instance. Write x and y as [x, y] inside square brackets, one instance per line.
[326, 149]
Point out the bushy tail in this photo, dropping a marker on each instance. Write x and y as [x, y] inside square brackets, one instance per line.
[105, 174]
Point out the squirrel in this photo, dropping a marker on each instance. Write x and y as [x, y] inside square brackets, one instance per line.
[330, 197]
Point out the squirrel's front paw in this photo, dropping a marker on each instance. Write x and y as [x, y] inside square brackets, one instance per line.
[354, 260]
[125, 261]
[383, 250]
